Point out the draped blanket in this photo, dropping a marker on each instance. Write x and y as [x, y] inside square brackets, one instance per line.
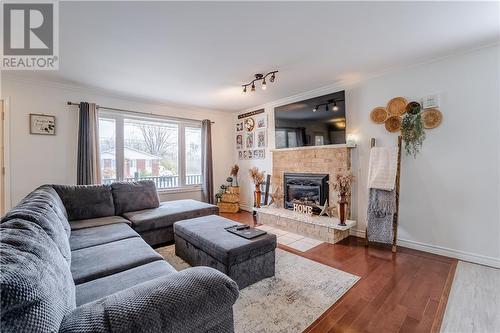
[381, 209]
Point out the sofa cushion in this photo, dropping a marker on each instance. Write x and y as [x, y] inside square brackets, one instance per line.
[208, 234]
[37, 288]
[105, 286]
[86, 201]
[168, 213]
[88, 237]
[90, 223]
[102, 260]
[44, 208]
[132, 196]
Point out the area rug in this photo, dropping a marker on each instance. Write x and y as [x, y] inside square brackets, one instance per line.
[290, 301]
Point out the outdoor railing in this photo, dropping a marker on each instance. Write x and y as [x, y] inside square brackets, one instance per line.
[161, 181]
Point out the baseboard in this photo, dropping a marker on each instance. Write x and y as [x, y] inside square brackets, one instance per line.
[246, 208]
[443, 251]
[357, 232]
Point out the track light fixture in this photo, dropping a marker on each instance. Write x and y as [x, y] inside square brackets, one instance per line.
[327, 105]
[260, 77]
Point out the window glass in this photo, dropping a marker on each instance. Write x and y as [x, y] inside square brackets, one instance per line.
[107, 149]
[151, 152]
[193, 155]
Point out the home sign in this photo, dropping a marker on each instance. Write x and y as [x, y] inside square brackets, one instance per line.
[304, 209]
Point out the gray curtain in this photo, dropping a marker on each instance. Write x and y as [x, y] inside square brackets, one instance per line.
[207, 185]
[88, 168]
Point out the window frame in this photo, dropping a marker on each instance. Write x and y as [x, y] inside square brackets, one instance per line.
[120, 117]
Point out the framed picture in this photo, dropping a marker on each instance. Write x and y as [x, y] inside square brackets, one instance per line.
[245, 154]
[239, 141]
[251, 155]
[261, 138]
[249, 140]
[239, 126]
[249, 124]
[41, 124]
[262, 121]
[240, 154]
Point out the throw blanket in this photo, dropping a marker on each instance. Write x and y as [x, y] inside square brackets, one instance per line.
[382, 168]
[381, 209]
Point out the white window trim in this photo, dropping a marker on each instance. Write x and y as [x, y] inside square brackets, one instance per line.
[120, 117]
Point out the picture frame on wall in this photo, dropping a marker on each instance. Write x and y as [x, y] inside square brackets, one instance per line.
[240, 154]
[261, 121]
[261, 138]
[245, 154]
[41, 124]
[249, 124]
[249, 140]
[239, 141]
[239, 126]
[250, 155]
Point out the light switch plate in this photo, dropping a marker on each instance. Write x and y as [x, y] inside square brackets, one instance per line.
[431, 101]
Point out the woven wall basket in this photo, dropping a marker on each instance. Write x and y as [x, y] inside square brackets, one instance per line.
[432, 118]
[397, 106]
[393, 124]
[379, 115]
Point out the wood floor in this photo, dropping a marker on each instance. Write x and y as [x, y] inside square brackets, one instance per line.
[405, 292]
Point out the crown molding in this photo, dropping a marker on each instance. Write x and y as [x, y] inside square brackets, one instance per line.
[84, 89]
[348, 84]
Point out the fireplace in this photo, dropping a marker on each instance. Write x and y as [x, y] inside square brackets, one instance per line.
[305, 188]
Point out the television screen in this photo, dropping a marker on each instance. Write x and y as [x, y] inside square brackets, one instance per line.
[314, 122]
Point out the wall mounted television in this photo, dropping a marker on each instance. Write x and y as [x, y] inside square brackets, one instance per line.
[313, 122]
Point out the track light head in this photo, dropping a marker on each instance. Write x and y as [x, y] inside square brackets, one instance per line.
[272, 78]
[253, 87]
[315, 109]
[335, 107]
[264, 84]
[244, 89]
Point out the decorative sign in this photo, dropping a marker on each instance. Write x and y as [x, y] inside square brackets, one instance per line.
[42, 124]
[304, 209]
[249, 114]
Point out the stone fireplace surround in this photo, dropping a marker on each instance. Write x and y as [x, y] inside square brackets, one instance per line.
[321, 160]
[330, 160]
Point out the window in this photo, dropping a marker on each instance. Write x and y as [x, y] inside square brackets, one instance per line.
[165, 151]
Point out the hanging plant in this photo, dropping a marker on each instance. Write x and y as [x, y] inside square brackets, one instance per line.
[412, 129]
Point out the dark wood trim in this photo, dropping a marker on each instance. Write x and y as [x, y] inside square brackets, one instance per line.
[438, 319]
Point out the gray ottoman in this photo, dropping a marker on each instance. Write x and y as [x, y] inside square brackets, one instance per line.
[203, 241]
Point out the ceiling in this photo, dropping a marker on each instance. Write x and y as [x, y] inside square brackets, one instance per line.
[199, 53]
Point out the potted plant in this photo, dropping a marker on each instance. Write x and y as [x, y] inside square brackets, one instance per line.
[412, 129]
[342, 185]
[257, 178]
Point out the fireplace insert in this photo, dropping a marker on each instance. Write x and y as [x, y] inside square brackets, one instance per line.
[305, 188]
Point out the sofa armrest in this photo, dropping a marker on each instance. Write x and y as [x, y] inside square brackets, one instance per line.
[198, 299]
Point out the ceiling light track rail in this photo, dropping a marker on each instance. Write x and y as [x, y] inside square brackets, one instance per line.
[327, 105]
[260, 77]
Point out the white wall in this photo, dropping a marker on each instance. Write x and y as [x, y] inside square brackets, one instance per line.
[36, 160]
[450, 192]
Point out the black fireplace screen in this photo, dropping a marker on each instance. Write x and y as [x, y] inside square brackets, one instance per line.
[305, 188]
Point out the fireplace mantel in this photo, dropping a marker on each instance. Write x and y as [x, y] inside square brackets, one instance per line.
[316, 147]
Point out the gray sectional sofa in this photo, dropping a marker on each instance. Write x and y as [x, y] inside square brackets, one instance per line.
[72, 259]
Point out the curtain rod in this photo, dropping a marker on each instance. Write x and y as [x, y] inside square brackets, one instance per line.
[137, 112]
